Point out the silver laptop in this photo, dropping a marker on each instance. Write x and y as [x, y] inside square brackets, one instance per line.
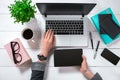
[67, 22]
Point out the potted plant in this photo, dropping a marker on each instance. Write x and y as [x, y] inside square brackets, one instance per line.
[22, 10]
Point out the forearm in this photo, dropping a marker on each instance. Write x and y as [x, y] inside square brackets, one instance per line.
[47, 45]
[90, 76]
[38, 69]
[97, 77]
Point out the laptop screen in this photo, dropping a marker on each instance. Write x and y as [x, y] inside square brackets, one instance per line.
[65, 8]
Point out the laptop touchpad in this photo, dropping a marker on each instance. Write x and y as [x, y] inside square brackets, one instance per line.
[78, 40]
[62, 40]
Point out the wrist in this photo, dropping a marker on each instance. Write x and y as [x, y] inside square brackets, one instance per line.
[88, 74]
[42, 61]
[41, 58]
[44, 53]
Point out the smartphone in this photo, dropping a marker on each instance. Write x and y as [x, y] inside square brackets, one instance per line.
[110, 56]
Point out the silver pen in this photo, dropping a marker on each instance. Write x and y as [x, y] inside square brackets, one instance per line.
[98, 43]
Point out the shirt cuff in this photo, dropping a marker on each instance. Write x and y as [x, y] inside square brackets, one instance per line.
[39, 66]
[96, 77]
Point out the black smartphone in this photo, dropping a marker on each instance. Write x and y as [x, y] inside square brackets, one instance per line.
[68, 57]
[110, 56]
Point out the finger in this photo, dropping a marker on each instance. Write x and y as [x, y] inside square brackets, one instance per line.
[47, 33]
[84, 59]
[50, 34]
[53, 41]
[44, 34]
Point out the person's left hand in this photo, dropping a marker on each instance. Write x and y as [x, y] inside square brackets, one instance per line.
[85, 70]
[47, 42]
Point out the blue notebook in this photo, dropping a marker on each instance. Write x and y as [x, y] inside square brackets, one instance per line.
[105, 37]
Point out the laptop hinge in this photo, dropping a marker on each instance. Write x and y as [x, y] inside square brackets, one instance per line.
[82, 15]
[45, 15]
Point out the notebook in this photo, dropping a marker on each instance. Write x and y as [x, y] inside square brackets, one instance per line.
[95, 19]
[101, 18]
[21, 55]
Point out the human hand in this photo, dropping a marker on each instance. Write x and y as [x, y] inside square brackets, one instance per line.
[85, 70]
[47, 42]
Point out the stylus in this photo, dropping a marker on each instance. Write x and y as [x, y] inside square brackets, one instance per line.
[98, 43]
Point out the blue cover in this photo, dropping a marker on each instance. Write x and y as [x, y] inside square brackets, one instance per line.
[106, 38]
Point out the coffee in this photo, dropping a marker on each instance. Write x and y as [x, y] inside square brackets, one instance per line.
[27, 34]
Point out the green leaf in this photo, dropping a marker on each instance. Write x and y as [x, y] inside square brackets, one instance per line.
[22, 10]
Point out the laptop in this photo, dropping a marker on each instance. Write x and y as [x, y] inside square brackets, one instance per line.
[67, 22]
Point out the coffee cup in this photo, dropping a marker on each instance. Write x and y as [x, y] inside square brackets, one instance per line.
[28, 34]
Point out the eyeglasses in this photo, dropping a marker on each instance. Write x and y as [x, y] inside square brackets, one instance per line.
[15, 51]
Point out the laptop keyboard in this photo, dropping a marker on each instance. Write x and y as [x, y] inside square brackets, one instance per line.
[61, 27]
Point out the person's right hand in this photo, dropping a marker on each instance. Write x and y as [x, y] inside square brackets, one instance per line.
[47, 43]
[85, 70]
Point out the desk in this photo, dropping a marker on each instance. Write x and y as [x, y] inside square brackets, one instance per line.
[9, 31]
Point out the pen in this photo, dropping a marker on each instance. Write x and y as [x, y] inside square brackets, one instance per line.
[90, 34]
[98, 43]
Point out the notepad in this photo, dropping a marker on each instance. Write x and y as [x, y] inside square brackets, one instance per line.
[101, 18]
[95, 19]
[22, 51]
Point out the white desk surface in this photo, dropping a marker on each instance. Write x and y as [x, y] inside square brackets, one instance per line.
[10, 31]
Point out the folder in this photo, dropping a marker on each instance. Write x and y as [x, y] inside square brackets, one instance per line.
[95, 19]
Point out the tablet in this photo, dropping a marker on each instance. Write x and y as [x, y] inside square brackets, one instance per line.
[68, 57]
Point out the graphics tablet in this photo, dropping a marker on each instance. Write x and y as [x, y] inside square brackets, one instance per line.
[68, 57]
